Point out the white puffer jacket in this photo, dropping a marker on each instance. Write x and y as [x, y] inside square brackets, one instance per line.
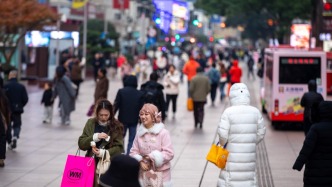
[242, 127]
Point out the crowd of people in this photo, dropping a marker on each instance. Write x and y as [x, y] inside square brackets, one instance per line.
[150, 85]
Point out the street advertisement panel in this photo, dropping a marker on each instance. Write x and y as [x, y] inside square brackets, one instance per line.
[42, 38]
[300, 35]
[164, 10]
[180, 17]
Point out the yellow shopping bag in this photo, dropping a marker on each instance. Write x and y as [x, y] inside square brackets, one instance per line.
[218, 156]
[190, 104]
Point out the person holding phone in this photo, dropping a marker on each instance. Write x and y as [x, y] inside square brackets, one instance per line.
[102, 133]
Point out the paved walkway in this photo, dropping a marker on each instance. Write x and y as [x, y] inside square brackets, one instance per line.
[42, 149]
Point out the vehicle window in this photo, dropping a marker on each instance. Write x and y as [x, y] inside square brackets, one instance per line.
[298, 70]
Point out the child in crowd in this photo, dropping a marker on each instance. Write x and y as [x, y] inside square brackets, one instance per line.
[47, 101]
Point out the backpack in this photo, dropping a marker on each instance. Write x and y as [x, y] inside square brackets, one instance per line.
[151, 95]
[215, 77]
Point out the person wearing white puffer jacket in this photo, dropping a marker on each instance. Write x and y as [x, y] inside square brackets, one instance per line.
[241, 127]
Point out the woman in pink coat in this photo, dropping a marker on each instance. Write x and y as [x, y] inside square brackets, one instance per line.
[152, 146]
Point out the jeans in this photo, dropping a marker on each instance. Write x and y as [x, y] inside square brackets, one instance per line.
[132, 133]
[222, 90]
[17, 122]
[199, 112]
[170, 98]
[213, 92]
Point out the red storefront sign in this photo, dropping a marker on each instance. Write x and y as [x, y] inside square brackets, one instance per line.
[120, 4]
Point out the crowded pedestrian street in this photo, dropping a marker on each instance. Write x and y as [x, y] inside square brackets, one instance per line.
[41, 152]
[165, 93]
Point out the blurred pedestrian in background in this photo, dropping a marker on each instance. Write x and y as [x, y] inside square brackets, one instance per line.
[18, 98]
[4, 123]
[123, 172]
[317, 150]
[189, 69]
[66, 92]
[241, 127]
[129, 102]
[113, 65]
[171, 83]
[223, 80]
[102, 133]
[101, 85]
[97, 63]
[158, 157]
[214, 77]
[310, 101]
[251, 64]
[153, 93]
[235, 72]
[162, 63]
[76, 73]
[126, 69]
[47, 101]
[199, 89]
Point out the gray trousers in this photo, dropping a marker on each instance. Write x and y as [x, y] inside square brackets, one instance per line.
[48, 113]
[65, 118]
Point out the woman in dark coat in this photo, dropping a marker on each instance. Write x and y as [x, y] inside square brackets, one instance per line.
[316, 152]
[101, 85]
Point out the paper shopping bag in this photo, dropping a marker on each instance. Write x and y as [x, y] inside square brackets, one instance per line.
[79, 172]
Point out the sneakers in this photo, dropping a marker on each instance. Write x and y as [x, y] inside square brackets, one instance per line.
[13, 145]
[2, 163]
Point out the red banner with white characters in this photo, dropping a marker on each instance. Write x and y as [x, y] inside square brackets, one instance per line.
[120, 4]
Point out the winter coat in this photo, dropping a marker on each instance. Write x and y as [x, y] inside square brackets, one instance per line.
[47, 98]
[199, 87]
[64, 89]
[190, 68]
[17, 95]
[128, 101]
[87, 136]
[242, 127]
[171, 83]
[214, 75]
[114, 146]
[76, 72]
[310, 101]
[235, 73]
[156, 143]
[162, 63]
[160, 103]
[316, 152]
[101, 89]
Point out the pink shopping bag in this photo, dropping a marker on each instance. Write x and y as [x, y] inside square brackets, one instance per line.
[79, 172]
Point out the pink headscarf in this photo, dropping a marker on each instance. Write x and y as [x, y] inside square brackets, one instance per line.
[153, 111]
